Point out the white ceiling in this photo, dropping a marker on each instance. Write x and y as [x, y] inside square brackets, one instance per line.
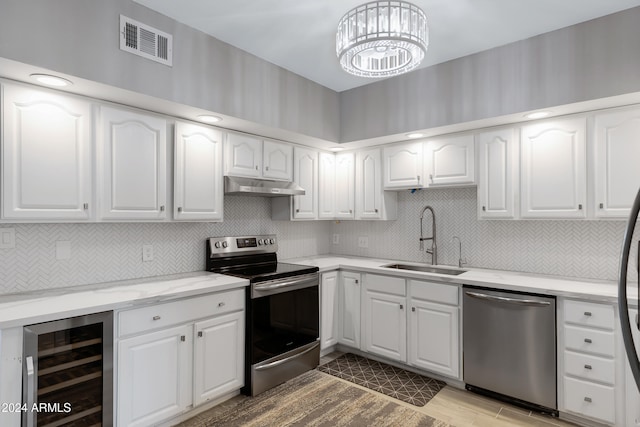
[299, 35]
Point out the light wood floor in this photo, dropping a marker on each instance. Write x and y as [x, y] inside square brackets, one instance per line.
[462, 408]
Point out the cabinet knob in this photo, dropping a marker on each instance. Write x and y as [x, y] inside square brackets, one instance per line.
[401, 307]
[200, 334]
[85, 206]
[297, 210]
[179, 209]
[484, 208]
[588, 399]
[375, 210]
[183, 338]
[580, 207]
[588, 340]
[601, 205]
[156, 317]
[588, 367]
[587, 313]
[221, 304]
[266, 168]
[431, 177]
[418, 179]
[357, 281]
[256, 167]
[413, 309]
[161, 208]
[350, 211]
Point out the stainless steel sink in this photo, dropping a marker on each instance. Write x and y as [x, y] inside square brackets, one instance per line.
[426, 269]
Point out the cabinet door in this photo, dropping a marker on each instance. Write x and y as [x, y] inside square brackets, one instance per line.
[349, 333]
[154, 376]
[328, 310]
[277, 161]
[46, 156]
[368, 185]
[132, 165]
[434, 343]
[450, 161]
[617, 150]
[553, 174]
[305, 174]
[385, 325]
[219, 356]
[327, 186]
[345, 180]
[243, 156]
[198, 192]
[403, 166]
[497, 161]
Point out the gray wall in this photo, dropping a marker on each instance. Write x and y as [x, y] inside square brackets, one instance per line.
[591, 60]
[80, 38]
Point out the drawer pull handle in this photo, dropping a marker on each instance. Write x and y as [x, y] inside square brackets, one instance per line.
[588, 367]
[588, 340]
[587, 313]
[156, 317]
[588, 399]
[221, 304]
[401, 307]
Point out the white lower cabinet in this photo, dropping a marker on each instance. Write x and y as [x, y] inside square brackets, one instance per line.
[589, 364]
[174, 356]
[434, 325]
[329, 293]
[349, 309]
[632, 416]
[384, 317]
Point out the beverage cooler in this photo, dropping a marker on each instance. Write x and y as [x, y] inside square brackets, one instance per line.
[68, 372]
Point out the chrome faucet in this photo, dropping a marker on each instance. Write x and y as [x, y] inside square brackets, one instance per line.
[434, 250]
[461, 260]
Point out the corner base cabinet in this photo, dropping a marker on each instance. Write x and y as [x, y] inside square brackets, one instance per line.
[177, 355]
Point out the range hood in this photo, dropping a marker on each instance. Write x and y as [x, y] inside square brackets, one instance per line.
[261, 187]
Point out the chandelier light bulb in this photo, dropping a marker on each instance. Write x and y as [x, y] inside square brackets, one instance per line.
[382, 39]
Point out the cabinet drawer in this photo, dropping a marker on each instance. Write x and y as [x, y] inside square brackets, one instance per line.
[589, 367]
[589, 340]
[445, 294]
[590, 399]
[163, 315]
[385, 284]
[589, 314]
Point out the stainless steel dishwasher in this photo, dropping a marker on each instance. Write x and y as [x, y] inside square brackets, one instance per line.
[509, 347]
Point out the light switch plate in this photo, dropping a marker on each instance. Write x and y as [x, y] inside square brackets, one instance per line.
[7, 238]
[363, 242]
[336, 239]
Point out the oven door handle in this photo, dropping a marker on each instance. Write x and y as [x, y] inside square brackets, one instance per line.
[299, 282]
[286, 359]
[31, 390]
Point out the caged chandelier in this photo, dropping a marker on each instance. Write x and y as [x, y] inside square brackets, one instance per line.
[382, 38]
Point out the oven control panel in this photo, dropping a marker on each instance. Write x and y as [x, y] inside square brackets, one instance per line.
[242, 244]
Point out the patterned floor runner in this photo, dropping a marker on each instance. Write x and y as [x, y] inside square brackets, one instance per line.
[394, 382]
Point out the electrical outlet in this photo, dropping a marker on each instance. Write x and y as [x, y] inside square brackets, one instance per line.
[363, 242]
[7, 238]
[336, 239]
[147, 253]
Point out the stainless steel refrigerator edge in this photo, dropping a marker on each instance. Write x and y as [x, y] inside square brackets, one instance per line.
[510, 346]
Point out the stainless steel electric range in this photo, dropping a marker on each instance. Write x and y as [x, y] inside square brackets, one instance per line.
[282, 323]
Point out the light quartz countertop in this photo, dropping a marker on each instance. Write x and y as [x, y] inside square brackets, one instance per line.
[595, 290]
[52, 304]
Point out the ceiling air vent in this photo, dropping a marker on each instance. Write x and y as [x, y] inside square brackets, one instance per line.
[145, 41]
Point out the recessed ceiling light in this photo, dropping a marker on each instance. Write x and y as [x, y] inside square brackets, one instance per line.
[537, 114]
[49, 80]
[209, 119]
[336, 148]
[415, 135]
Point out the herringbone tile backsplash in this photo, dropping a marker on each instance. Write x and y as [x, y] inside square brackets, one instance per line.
[578, 248]
[107, 252]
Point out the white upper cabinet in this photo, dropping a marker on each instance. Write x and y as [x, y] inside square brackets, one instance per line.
[327, 186]
[131, 165]
[46, 156]
[403, 166]
[553, 169]
[497, 164]
[251, 157]
[617, 150]
[345, 186]
[243, 156]
[305, 174]
[277, 161]
[450, 161]
[371, 201]
[198, 189]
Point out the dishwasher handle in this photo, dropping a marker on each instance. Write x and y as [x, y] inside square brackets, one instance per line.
[528, 302]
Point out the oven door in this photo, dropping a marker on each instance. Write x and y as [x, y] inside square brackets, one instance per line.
[284, 316]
